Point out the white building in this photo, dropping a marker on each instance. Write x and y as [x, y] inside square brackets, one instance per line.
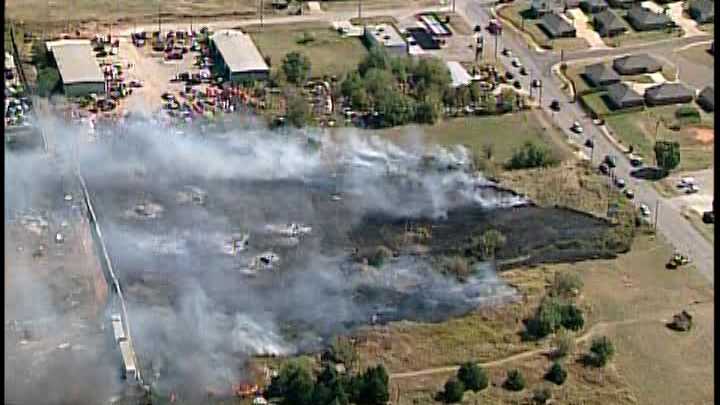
[386, 36]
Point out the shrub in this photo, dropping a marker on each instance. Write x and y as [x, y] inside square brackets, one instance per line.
[453, 391]
[515, 381]
[601, 351]
[456, 266]
[473, 377]
[531, 155]
[687, 112]
[564, 344]
[667, 154]
[551, 315]
[381, 254]
[48, 80]
[556, 374]
[542, 395]
[296, 67]
[572, 317]
[566, 284]
[306, 38]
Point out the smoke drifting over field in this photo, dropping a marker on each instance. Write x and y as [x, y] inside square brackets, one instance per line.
[173, 207]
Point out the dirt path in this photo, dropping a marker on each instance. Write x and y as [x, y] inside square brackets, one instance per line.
[594, 330]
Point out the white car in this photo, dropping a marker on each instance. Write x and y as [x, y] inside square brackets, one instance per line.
[644, 210]
[516, 62]
[577, 128]
[620, 183]
[686, 182]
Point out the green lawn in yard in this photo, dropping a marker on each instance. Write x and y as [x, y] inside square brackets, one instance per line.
[514, 13]
[504, 133]
[596, 103]
[329, 53]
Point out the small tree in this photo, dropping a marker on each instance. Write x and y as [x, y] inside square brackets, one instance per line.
[515, 381]
[556, 374]
[542, 395]
[296, 67]
[566, 284]
[564, 344]
[601, 351]
[572, 318]
[492, 240]
[298, 110]
[667, 155]
[473, 377]
[453, 391]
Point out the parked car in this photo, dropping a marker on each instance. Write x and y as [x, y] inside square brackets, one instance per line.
[523, 71]
[577, 128]
[708, 217]
[629, 194]
[686, 182]
[517, 84]
[619, 182]
[644, 210]
[507, 52]
[516, 62]
[555, 105]
[692, 189]
[536, 83]
[610, 161]
[636, 161]
[136, 83]
[604, 169]
[589, 143]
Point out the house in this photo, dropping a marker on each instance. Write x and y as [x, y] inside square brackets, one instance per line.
[702, 11]
[668, 93]
[706, 99]
[78, 68]
[556, 26]
[644, 19]
[608, 24]
[636, 64]
[593, 6]
[237, 58]
[625, 4]
[539, 8]
[600, 74]
[387, 37]
[620, 95]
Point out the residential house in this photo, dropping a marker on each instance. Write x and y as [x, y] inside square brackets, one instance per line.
[636, 64]
[625, 4]
[556, 27]
[600, 74]
[706, 99]
[702, 11]
[644, 19]
[668, 93]
[593, 6]
[620, 95]
[608, 24]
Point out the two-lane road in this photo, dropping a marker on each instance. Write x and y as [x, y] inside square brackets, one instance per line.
[670, 223]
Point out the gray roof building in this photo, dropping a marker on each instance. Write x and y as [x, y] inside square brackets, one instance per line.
[702, 11]
[643, 19]
[593, 6]
[79, 71]
[668, 93]
[626, 4]
[706, 99]
[239, 54]
[620, 95]
[600, 74]
[636, 64]
[608, 24]
[555, 26]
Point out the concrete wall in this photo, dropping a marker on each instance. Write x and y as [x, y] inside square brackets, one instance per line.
[83, 89]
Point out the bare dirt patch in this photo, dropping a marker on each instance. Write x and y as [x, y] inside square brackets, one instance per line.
[705, 136]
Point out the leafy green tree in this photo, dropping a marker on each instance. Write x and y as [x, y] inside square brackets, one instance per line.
[296, 67]
[529, 156]
[373, 387]
[453, 391]
[428, 111]
[377, 82]
[547, 319]
[572, 318]
[556, 374]
[473, 377]
[293, 384]
[48, 80]
[344, 352]
[601, 351]
[298, 110]
[396, 108]
[492, 240]
[667, 155]
[376, 58]
[430, 73]
[514, 381]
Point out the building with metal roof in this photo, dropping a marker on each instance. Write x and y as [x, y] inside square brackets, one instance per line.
[79, 70]
[237, 58]
[620, 95]
[644, 19]
[702, 11]
[387, 37]
[556, 26]
[608, 24]
[668, 93]
[636, 64]
[600, 74]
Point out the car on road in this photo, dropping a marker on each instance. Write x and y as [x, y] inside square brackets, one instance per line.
[686, 182]
[708, 217]
[523, 71]
[536, 83]
[516, 63]
[517, 84]
[610, 161]
[577, 128]
[509, 75]
[629, 194]
[598, 121]
[555, 105]
[692, 189]
[604, 169]
[644, 210]
[619, 182]
[635, 161]
[507, 52]
[136, 83]
[589, 143]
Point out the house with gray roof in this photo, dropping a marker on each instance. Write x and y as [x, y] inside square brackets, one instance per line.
[702, 11]
[593, 6]
[625, 4]
[644, 19]
[706, 99]
[668, 93]
[620, 95]
[237, 58]
[556, 26]
[636, 64]
[79, 70]
[608, 24]
[600, 74]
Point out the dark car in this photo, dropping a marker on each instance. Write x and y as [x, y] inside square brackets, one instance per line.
[604, 169]
[708, 217]
[555, 105]
[610, 161]
[589, 143]
[509, 75]
[517, 84]
[523, 71]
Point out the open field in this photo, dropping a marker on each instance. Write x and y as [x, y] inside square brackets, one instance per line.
[329, 53]
[638, 129]
[514, 14]
[477, 132]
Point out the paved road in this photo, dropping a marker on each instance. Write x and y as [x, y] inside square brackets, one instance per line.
[670, 221]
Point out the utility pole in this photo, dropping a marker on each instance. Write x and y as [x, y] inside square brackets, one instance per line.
[657, 208]
[453, 6]
[159, 21]
[262, 4]
[360, 10]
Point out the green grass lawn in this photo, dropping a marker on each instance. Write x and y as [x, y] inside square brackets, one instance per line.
[698, 54]
[504, 133]
[596, 103]
[515, 13]
[329, 53]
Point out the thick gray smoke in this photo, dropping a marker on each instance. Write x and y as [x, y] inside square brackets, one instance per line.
[196, 229]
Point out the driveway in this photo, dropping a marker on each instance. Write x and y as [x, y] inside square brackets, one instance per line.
[688, 25]
[700, 201]
[584, 29]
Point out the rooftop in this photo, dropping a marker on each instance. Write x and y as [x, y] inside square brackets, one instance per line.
[387, 35]
[600, 73]
[668, 91]
[76, 61]
[460, 76]
[622, 93]
[644, 15]
[635, 62]
[609, 20]
[239, 51]
[555, 24]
